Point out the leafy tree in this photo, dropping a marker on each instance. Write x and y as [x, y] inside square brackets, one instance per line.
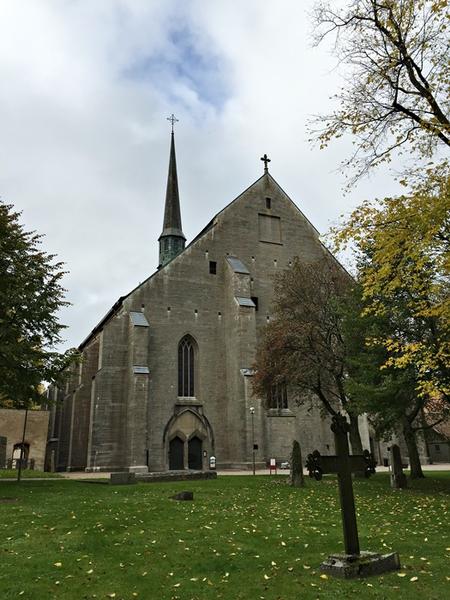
[30, 296]
[402, 245]
[388, 394]
[303, 343]
[396, 95]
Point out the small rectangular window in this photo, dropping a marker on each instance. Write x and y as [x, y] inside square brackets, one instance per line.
[268, 202]
[255, 301]
[212, 267]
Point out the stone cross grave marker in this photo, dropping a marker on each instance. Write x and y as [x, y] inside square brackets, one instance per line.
[353, 563]
[344, 465]
[398, 478]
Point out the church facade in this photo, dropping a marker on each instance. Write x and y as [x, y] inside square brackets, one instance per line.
[166, 376]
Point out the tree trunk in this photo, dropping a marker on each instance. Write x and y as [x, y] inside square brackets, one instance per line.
[355, 439]
[414, 461]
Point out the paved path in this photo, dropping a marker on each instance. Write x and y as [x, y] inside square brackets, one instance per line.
[79, 475]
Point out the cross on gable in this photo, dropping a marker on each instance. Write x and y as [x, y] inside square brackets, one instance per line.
[173, 120]
[344, 465]
[265, 160]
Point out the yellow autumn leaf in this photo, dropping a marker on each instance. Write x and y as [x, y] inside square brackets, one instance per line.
[414, 578]
[324, 576]
[57, 564]
[401, 574]
[266, 576]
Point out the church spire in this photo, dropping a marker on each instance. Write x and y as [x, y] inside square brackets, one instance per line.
[171, 240]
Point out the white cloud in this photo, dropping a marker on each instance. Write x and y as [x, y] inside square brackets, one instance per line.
[86, 87]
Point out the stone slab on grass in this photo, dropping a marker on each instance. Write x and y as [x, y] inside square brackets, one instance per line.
[123, 478]
[348, 566]
[175, 476]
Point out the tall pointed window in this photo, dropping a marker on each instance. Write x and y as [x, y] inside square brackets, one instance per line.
[186, 370]
[278, 396]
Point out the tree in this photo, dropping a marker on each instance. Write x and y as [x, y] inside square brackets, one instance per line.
[402, 247]
[397, 86]
[388, 394]
[30, 296]
[303, 345]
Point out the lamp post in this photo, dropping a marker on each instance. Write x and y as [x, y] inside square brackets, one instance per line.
[252, 413]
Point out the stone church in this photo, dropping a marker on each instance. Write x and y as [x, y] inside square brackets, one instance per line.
[166, 376]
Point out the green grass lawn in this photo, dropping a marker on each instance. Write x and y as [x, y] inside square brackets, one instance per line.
[243, 537]
[27, 474]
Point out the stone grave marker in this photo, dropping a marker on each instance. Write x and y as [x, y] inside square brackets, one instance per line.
[183, 496]
[122, 478]
[353, 563]
[398, 478]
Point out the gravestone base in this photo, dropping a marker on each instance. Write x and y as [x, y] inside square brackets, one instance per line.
[123, 478]
[349, 566]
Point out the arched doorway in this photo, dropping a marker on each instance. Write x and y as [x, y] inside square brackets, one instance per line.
[176, 454]
[195, 453]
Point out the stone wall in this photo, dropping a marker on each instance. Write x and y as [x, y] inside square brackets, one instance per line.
[121, 419]
[11, 427]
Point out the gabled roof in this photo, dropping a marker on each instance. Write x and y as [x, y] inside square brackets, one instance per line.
[116, 307]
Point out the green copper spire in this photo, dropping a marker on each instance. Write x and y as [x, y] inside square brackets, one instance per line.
[171, 240]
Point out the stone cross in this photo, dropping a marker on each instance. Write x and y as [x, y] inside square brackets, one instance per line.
[173, 120]
[344, 465]
[265, 160]
[398, 478]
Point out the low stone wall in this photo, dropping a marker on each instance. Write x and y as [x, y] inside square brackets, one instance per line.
[175, 476]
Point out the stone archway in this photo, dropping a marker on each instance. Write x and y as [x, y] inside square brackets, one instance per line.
[188, 440]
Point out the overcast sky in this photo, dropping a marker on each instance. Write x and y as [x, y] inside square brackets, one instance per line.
[86, 86]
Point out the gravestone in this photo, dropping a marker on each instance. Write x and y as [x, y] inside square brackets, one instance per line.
[353, 563]
[2, 452]
[183, 496]
[398, 478]
[123, 478]
[296, 475]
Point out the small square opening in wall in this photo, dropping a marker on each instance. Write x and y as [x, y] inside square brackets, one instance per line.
[212, 267]
[269, 203]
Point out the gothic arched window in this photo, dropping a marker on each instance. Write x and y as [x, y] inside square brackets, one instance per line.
[186, 370]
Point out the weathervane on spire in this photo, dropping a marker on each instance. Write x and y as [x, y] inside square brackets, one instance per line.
[265, 160]
[173, 120]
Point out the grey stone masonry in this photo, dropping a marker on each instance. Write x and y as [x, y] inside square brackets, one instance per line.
[124, 410]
